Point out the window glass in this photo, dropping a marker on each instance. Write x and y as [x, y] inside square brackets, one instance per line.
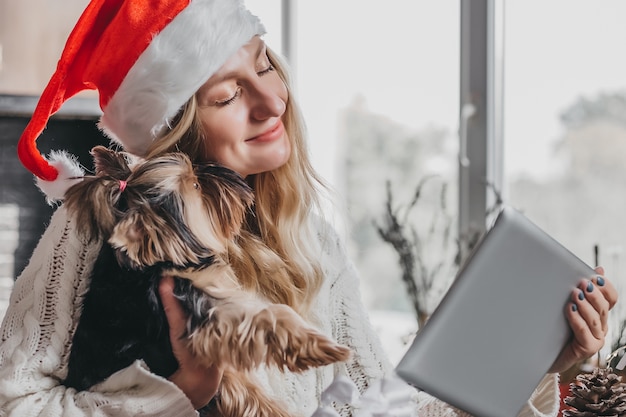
[565, 124]
[378, 83]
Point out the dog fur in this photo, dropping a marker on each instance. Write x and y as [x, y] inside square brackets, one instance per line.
[164, 216]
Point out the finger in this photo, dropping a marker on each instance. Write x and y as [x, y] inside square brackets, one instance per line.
[596, 298]
[176, 318]
[173, 310]
[606, 287]
[584, 343]
[166, 291]
[587, 312]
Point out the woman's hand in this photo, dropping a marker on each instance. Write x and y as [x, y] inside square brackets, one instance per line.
[587, 314]
[200, 384]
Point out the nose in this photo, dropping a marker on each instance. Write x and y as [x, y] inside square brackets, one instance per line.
[268, 100]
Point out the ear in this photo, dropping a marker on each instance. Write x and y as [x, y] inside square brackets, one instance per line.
[236, 186]
[227, 196]
[92, 204]
[143, 239]
[126, 239]
[138, 241]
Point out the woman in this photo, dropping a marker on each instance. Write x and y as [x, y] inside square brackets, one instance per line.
[195, 76]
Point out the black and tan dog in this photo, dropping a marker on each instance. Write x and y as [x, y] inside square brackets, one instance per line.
[165, 216]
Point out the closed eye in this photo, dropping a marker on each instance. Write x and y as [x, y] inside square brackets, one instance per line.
[267, 70]
[230, 100]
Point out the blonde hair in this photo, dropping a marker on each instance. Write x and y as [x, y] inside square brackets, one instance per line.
[284, 198]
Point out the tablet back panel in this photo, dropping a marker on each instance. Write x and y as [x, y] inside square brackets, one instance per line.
[501, 324]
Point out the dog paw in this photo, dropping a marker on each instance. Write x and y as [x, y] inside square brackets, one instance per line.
[272, 334]
[295, 345]
[306, 349]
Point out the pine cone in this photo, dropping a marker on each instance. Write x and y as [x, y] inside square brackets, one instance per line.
[595, 394]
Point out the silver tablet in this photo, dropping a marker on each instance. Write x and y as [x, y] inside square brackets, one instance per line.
[501, 324]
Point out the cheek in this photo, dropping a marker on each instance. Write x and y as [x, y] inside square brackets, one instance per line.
[220, 133]
[276, 156]
[286, 151]
[282, 91]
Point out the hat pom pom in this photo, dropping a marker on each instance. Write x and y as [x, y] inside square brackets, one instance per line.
[70, 172]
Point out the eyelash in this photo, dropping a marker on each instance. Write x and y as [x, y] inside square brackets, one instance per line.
[230, 100]
[235, 96]
[267, 70]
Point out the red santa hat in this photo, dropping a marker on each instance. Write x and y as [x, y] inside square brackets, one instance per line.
[145, 58]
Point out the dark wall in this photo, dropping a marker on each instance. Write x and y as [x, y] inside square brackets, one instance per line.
[17, 185]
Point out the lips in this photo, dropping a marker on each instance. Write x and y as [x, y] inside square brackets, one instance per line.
[273, 133]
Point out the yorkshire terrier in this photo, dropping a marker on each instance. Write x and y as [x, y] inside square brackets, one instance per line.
[166, 216]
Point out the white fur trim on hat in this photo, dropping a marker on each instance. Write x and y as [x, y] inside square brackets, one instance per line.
[70, 172]
[182, 57]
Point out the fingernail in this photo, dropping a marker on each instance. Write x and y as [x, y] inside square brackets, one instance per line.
[600, 281]
[581, 295]
[589, 286]
[574, 307]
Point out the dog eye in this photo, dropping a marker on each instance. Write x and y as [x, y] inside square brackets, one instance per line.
[196, 185]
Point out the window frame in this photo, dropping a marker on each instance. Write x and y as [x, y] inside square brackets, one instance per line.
[480, 115]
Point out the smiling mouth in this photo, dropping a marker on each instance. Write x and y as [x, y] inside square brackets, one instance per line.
[271, 134]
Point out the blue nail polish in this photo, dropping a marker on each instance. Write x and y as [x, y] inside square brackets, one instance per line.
[574, 307]
[589, 286]
[600, 281]
[581, 295]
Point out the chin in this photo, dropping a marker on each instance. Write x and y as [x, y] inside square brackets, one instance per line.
[282, 155]
[275, 160]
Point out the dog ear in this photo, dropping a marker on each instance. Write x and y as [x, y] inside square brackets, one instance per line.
[227, 196]
[92, 203]
[126, 238]
[142, 238]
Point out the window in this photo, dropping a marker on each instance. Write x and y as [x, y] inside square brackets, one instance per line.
[565, 124]
[379, 87]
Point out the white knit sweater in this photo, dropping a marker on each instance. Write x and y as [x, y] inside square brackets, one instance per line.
[44, 310]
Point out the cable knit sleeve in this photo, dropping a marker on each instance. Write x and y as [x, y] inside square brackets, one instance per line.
[348, 317]
[36, 334]
[351, 327]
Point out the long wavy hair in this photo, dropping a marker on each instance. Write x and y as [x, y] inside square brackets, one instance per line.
[280, 218]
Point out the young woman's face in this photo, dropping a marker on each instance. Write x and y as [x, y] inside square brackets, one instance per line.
[240, 108]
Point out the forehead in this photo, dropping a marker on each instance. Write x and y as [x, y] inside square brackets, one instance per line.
[244, 57]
